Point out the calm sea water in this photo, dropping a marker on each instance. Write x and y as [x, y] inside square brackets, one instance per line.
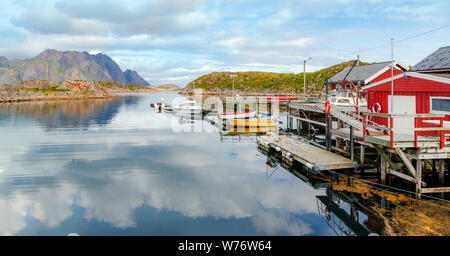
[115, 167]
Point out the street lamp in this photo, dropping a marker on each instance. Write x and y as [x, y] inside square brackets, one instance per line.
[304, 74]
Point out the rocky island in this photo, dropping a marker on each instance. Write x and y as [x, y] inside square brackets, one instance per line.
[70, 89]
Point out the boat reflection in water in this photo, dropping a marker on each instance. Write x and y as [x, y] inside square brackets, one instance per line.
[344, 212]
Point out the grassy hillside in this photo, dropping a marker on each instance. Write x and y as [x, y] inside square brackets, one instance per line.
[267, 81]
[165, 87]
[113, 86]
[48, 87]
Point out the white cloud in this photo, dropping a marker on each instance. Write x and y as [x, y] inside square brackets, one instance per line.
[159, 39]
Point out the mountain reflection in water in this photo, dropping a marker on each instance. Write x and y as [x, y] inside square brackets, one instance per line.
[115, 167]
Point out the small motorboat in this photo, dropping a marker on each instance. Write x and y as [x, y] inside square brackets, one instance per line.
[159, 107]
[187, 107]
[239, 115]
[346, 98]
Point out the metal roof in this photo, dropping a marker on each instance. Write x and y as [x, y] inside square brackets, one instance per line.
[360, 73]
[440, 59]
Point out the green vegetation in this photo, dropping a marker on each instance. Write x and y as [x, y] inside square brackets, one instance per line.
[46, 91]
[136, 87]
[116, 86]
[268, 81]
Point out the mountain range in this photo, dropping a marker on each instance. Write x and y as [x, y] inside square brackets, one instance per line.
[57, 66]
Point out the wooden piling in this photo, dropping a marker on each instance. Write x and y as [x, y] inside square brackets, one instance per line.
[352, 144]
[309, 126]
[441, 171]
[382, 169]
[291, 126]
[418, 177]
[328, 132]
[361, 158]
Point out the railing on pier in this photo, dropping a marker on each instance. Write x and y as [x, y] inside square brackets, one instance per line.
[418, 118]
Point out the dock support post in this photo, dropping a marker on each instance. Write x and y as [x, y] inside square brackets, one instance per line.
[257, 106]
[418, 177]
[441, 171]
[362, 157]
[269, 105]
[352, 145]
[309, 127]
[328, 132]
[383, 202]
[291, 123]
[382, 169]
[288, 119]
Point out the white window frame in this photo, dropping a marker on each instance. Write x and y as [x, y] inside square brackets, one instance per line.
[438, 111]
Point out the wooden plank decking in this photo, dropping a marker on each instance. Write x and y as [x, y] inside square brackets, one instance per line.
[404, 141]
[311, 156]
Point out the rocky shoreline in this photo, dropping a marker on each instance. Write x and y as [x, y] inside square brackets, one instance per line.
[39, 90]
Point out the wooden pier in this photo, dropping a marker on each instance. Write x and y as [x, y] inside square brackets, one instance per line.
[347, 138]
[313, 157]
[406, 153]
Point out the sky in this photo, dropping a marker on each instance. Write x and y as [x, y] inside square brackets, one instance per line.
[176, 41]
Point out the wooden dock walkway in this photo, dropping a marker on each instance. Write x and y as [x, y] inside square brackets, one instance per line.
[311, 156]
[401, 152]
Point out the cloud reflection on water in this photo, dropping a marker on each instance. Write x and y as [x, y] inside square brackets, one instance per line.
[133, 162]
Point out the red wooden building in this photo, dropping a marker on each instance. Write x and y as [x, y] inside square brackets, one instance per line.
[414, 93]
[426, 90]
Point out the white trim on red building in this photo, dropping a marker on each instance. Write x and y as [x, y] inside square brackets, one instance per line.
[406, 74]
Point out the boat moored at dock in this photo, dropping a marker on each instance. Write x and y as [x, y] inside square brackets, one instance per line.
[238, 115]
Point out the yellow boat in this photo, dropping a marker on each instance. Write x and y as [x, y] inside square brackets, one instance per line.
[247, 130]
[251, 123]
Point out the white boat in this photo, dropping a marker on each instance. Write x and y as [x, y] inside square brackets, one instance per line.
[187, 107]
[346, 98]
[239, 115]
[159, 106]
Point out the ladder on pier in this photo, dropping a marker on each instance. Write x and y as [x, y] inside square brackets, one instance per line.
[348, 117]
[342, 113]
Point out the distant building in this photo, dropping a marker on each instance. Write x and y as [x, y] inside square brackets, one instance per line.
[438, 62]
[367, 74]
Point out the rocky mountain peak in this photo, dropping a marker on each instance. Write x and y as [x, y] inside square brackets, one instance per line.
[54, 65]
[132, 77]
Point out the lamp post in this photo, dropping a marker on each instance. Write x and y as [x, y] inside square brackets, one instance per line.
[304, 74]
